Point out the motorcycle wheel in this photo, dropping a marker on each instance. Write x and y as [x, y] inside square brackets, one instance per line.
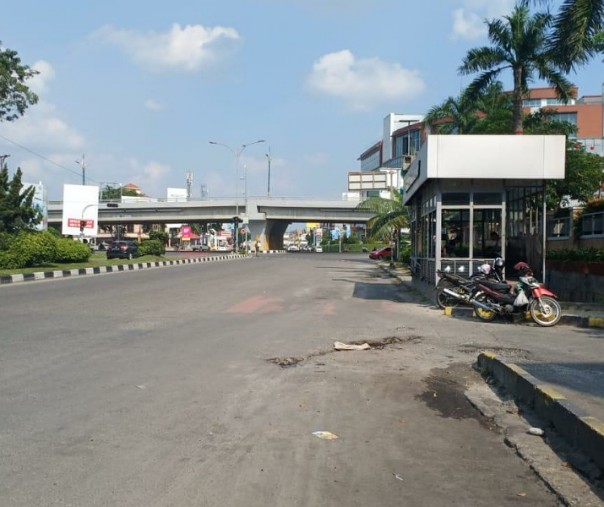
[481, 313]
[442, 298]
[545, 311]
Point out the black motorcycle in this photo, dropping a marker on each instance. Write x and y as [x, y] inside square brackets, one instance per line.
[454, 289]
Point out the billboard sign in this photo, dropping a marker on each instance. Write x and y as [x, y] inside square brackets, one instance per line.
[176, 194]
[39, 203]
[80, 210]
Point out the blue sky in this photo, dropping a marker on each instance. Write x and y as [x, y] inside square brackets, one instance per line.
[141, 87]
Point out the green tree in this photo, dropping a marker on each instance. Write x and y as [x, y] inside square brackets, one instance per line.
[583, 169]
[456, 115]
[466, 114]
[15, 96]
[583, 178]
[16, 205]
[577, 32]
[390, 214]
[519, 43]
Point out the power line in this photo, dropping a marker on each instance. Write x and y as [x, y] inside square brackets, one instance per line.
[43, 157]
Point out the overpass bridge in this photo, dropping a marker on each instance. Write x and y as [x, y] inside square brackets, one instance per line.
[267, 217]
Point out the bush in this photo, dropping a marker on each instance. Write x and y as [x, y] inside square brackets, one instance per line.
[152, 247]
[579, 254]
[8, 260]
[34, 248]
[69, 250]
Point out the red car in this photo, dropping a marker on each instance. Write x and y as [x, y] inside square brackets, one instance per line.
[382, 253]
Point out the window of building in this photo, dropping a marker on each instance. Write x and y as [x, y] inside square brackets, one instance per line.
[567, 117]
[487, 233]
[531, 103]
[455, 234]
[455, 198]
[485, 198]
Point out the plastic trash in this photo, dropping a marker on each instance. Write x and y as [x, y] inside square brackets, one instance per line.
[325, 435]
[350, 346]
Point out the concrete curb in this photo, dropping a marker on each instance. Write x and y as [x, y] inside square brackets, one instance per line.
[568, 319]
[574, 425]
[116, 268]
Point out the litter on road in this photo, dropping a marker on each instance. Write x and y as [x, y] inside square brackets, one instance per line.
[325, 435]
[350, 346]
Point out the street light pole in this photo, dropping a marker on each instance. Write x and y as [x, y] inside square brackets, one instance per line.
[237, 154]
[82, 164]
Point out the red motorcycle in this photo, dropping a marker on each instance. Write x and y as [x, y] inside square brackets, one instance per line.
[529, 295]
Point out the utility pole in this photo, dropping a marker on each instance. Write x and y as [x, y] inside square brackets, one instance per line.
[82, 164]
[2, 159]
[189, 176]
[269, 158]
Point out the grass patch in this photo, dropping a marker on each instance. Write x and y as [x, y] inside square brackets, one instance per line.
[97, 259]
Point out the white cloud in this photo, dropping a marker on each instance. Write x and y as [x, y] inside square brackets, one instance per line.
[41, 128]
[151, 177]
[39, 83]
[363, 83]
[469, 20]
[153, 105]
[189, 48]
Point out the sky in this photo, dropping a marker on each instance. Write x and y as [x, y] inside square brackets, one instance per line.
[135, 90]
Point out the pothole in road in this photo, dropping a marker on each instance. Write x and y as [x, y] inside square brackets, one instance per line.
[445, 393]
[474, 348]
[293, 361]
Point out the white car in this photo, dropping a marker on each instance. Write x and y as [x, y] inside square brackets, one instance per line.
[318, 249]
[293, 248]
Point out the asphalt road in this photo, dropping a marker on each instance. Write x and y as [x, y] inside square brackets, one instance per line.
[164, 387]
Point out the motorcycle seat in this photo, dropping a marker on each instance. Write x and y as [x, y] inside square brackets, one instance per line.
[496, 286]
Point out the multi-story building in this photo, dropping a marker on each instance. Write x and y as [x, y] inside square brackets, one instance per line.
[585, 112]
[402, 135]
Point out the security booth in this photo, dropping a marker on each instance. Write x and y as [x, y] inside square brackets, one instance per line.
[474, 198]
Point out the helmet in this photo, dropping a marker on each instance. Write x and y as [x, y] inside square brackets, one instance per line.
[523, 269]
[498, 262]
[485, 269]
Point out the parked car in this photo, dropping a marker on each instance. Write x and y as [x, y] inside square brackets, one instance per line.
[293, 248]
[382, 253]
[318, 249]
[122, 250]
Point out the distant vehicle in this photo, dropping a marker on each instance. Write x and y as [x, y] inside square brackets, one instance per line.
[382, 253]
[319, 249]
[122, 250]
[293, 248]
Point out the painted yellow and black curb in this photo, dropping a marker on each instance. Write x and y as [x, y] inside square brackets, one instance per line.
[578, 428]
[115, 268]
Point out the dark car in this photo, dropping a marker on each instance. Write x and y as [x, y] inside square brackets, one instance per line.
[122, 250]
[382, 253]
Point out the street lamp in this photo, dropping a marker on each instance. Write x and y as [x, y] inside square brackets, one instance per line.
[237, 154]
[82, 164]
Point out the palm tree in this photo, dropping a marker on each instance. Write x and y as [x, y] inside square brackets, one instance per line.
[519, 43]
[453, 116]
[462, 115]
[577, 32]
[390, 215]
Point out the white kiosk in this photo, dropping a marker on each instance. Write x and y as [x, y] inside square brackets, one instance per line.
[473, 198]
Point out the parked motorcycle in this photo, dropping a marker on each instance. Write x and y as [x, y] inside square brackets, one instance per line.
[529, 295]
[453, 289]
